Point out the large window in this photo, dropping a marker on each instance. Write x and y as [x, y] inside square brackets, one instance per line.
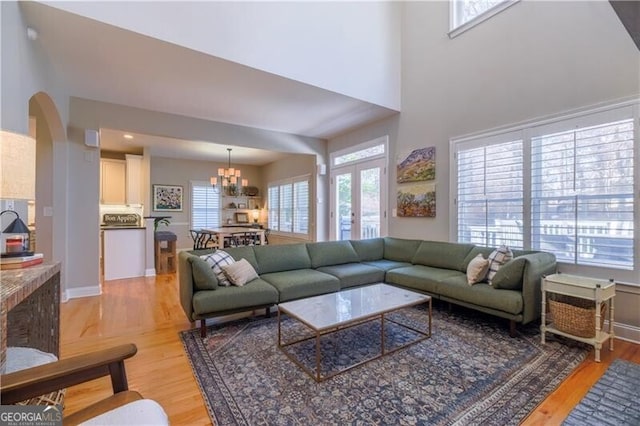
[205, 205]
[466, 14]
[289, 206]
[490, 195]
[582, 194]
[565, 186]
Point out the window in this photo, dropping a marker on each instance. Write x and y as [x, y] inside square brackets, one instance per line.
[289, 206]
[466, 14]
[565, 186]
[490, 195]
[362, 154]
[205, 205]
[582, 194]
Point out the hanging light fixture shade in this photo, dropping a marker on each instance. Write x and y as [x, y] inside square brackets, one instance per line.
[229, 178]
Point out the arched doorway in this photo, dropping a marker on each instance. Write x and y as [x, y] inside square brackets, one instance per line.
[50, 196]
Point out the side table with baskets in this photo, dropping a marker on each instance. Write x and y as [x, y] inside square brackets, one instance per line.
[577, 308]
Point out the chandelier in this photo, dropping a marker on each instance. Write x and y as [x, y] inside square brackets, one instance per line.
[229, 178]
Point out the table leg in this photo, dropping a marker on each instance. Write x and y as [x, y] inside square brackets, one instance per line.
[382, 334]
[611, 330]
[598, 346]
[543, 320]
[317, 356]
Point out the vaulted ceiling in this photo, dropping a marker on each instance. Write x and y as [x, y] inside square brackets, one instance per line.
[97, 61]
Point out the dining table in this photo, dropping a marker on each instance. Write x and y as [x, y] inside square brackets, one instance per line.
[219, 234]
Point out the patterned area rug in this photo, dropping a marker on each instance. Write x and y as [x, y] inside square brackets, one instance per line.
[469, 371]
[613, 400]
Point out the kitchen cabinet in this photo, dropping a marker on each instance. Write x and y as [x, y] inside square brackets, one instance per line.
[133, 179]
[112, 181]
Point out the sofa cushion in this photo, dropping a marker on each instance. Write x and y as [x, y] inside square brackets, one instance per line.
[217, 260]
[419, 277]
[387, 265]
[369, 249]
[399, 249]
[240, 272]
[284, 257]
[203, 276]
[477, 269]
[254, 293]
[245, 252]
[509, 276]
[354, 274]
[440, 254]
[484, 251]
[481, 294]
[301, 283]
[497, 258]
[327, 253]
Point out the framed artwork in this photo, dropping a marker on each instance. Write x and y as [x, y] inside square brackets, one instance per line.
[242, 217]
[417, 200]
[167, 198]
[419, 165]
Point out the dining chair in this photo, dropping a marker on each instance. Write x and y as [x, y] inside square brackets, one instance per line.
[202, 240]
[247, 238]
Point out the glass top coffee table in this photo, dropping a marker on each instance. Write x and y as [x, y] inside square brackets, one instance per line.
[330, 313]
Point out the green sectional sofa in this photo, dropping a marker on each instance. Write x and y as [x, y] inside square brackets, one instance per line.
[288, 272]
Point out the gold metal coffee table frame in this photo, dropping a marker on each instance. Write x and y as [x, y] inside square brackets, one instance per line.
[318, 332]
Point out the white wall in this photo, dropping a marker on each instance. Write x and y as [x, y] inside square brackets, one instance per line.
[533, 60]
[311, 42]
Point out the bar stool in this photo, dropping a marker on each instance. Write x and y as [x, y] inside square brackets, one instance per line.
[165, 252]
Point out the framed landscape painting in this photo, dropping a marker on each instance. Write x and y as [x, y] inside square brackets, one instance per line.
[167, 198]
[419, 165]
[417, 200]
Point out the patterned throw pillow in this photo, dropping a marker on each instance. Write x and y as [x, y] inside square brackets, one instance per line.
[240, 273]
[217, 260]
[477, 269]
[497, 258]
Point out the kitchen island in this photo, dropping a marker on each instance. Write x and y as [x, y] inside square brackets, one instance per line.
[124, 252]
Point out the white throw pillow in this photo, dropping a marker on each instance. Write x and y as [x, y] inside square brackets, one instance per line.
[497, 258]
[240, 272]
[477, 269]
[217, 260]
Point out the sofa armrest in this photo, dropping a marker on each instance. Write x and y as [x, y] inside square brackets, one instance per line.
[536, 267]
[31, 382]
[185, 281]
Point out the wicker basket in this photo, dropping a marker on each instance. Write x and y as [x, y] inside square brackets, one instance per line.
[576, 316]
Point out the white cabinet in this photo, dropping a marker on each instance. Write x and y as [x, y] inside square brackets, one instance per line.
[124, 253]
[121, 180]
[134, 179]
[112, 181]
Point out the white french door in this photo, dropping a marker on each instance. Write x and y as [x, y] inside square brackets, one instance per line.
[358, 200]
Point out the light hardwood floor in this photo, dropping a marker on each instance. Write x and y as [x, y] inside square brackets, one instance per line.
[147, 312]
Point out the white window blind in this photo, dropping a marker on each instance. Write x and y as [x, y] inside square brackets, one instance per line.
[286, 208]
[205, 206]
[582, 198]
[301, 207]
[565, 185]
[274, 211]
[289, 206]
[490, 194]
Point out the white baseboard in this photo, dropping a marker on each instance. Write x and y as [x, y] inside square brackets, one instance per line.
[74, 293]
[625, 332]
[150, 272]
